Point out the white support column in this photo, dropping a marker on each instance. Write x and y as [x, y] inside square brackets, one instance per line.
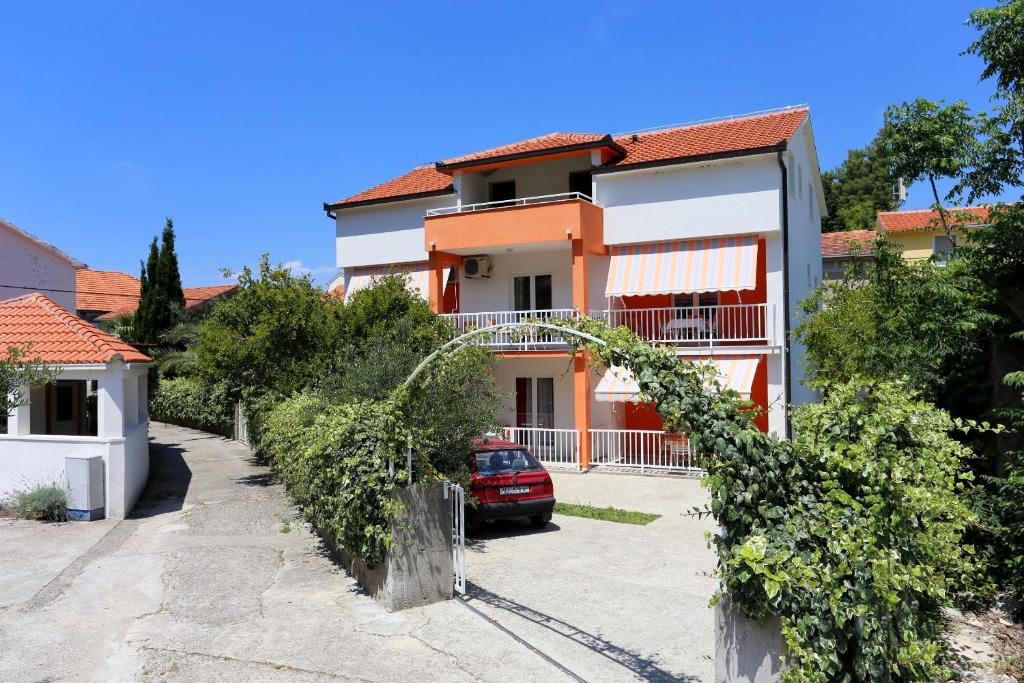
[19, 422]
[110, 399]
[143, 394]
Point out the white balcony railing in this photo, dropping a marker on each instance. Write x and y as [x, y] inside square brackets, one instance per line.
[640, 449]
[508, 203]
[697, 324]
[512, 339]
[553, 447]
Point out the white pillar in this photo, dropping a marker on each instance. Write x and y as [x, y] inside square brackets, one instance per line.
[131, 406]
[143, 397]
[110, 400]
[19, 422]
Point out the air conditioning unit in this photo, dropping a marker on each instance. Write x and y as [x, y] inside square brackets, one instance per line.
[477, 266]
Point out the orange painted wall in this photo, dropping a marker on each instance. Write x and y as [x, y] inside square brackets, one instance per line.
[517, 225]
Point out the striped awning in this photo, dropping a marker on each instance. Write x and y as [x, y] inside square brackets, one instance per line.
[683, 267]
[418, 274]
[736, 373]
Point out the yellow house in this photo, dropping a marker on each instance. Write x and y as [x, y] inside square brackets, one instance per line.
[920, 233]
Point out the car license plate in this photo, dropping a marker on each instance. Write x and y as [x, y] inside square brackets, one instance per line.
[512, 490]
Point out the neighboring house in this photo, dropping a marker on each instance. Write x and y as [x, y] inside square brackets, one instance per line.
[336, 287]
[104, 295]
[840, 249]
[920, 233]
[703, 237]
[97, 407]
[28, 264]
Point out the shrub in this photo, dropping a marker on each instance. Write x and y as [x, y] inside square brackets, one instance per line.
[334, 460]
[43, 501]
[188, 402]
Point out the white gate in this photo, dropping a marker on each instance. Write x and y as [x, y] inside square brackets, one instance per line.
[457, 495]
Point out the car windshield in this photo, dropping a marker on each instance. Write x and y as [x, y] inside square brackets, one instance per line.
[498, 462]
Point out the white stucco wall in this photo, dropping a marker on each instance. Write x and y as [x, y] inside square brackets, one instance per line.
[804, 243]
[123, 441]
[384, 233]
[27, 267]
[732, 197]
[495, 293]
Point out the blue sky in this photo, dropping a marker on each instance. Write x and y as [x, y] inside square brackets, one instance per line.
[240, 120]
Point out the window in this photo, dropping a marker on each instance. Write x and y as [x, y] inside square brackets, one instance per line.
[942, 245]
[505, 460]
[535, 402]
[531, 292]
[503, 191]
[579, 181]
[65, 404]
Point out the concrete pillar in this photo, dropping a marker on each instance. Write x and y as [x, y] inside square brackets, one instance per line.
[110, 400]
[130, 408]
[19, 421]
[143, 398]
[581, 405]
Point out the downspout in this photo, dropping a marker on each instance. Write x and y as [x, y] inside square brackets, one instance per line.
[787, 374]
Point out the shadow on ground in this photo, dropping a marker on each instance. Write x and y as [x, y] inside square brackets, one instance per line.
[504, 528]
[169, 479]
[644, 667]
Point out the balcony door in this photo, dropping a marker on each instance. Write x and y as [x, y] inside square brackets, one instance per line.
[535, 402]
[531, 292]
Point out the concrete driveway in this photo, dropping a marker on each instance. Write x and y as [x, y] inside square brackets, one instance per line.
[214, 578]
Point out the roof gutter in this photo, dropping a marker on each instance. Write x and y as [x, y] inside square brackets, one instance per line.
[787, 366]
[387, 200]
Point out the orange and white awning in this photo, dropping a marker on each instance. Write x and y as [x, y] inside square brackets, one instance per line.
[418, 275]
[683, 267]
[736, 373]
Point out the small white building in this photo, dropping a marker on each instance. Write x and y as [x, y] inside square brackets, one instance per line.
[97, 406]
[28, 264]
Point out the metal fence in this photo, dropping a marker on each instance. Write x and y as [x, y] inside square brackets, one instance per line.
[553, 447]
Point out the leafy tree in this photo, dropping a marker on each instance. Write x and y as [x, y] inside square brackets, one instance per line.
[274, 336]
[930, 141]
[19, 371]
[898, 321]
[1001, 43]
[858, 189]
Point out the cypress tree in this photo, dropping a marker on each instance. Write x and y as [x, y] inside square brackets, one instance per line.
[145, 327]
[168, 283]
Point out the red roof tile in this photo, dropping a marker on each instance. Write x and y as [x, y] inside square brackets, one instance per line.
[926, 219]
[848, 243]
[420, 180]
[716, 137]
[543, 143]
[105, 290]
[194, 296]
[56, 336]
[700, 139]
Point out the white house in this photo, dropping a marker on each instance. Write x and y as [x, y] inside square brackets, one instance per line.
[704, 237]
[28, 264]
[97, 406]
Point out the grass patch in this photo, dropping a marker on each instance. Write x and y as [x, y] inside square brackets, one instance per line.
[605, 514]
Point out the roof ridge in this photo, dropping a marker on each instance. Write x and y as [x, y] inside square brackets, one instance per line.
[764, 113]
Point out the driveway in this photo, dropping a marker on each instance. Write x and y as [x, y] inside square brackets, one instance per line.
[215, 578]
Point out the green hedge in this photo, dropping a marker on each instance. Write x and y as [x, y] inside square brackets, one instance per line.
[187, 402]
[334, 460]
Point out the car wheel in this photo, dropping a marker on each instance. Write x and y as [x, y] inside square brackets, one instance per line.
[540, 521]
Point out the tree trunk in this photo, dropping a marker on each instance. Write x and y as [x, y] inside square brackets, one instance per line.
[938, 204]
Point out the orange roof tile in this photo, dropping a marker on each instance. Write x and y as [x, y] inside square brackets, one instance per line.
[105, 290]
[743, 133]
[543, 143]
[926, 219]
[56, 336]
[422, 180]
[716, 137]
[848, 243]
[194, 296]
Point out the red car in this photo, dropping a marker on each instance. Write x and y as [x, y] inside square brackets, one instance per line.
[508, 482]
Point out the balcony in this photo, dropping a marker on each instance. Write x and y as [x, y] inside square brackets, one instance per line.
[512, 339]
[623, 449]
[472, 228]
[697, 325]
[681, 325]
